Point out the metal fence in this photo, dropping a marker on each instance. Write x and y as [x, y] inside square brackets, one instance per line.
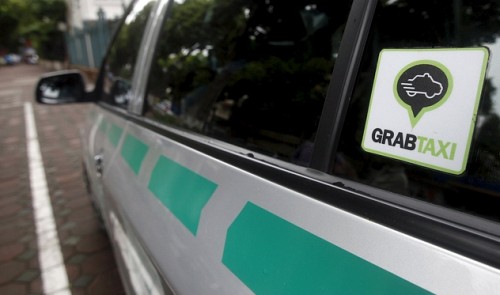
[87, 46]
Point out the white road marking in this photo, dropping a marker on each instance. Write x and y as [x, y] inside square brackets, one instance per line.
[53, 271]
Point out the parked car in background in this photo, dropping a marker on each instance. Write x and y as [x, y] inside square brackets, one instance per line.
[11, 59]
[30, 56]
[281, 147]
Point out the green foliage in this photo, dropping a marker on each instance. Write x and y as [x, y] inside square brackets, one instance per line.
[126, 45]
[36, 21]
[10, 10]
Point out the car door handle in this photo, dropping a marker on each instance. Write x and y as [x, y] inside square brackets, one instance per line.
[99, 165]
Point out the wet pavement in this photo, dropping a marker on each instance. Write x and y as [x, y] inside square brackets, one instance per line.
[85, 246]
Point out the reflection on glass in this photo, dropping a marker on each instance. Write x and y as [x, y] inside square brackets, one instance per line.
[253, 73]
[120, 62]
[50, 91]
[433, 24]
[60, 88]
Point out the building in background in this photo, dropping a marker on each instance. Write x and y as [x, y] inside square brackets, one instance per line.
[90, 24]
[80, 11]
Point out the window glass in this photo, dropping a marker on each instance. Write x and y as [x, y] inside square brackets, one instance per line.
[404, 24]
[120, 62]
[249, 72]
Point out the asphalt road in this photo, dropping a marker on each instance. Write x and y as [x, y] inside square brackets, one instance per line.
[86, 258]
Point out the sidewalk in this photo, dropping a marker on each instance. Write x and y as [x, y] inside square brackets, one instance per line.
[87, 253]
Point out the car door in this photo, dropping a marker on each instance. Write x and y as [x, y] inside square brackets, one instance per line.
[106, 128]
[255, 177]
[240, 166]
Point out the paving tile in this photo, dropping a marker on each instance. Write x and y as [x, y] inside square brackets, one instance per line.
[71, 241]
[77, 203]
[10, 270]
[27, 255]
[64, 212]
[81, 214]
[77, 259]
[107, 283]
[93, 243]
[11, 235]
[83, 281]
[68, 252]
[25, 212]
[6, 225]
[98, 263]
[13, 289]
[7, 198]
[74, 272]
[30, 237]
[10, 251]
[78, 291]
[86, 249]
[9, 210]
[36, 286]
[34, 262]
[87, 226]
[28, 276]
[9, 183]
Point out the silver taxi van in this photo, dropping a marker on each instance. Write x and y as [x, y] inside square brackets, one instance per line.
[298, 147]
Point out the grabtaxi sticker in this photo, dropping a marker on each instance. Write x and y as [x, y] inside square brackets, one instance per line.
[424, 104]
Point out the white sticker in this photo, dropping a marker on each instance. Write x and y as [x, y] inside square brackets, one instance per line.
[424, 104]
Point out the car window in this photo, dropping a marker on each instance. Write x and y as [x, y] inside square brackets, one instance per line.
[252, 73]
[401, 25]
[120, 63]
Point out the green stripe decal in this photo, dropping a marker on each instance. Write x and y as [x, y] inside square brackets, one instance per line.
[273, 256]
[114, 134]
[134, 151]
[184, 192]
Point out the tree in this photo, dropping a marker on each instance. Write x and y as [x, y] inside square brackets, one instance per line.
[33, 23]
[10, 22]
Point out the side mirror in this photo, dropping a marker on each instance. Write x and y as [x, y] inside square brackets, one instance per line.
[61, 87]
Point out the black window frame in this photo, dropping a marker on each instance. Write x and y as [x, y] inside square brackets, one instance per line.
[97, 93]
